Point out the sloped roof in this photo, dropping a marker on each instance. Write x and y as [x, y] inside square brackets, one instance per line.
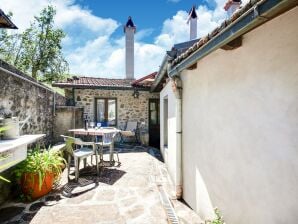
[84, 82]
[203, 41]
[107, 83]
[5, 22]
[145, 81]
[249, 17]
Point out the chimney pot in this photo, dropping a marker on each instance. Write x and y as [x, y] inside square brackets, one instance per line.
[129, 30]
[192, 20]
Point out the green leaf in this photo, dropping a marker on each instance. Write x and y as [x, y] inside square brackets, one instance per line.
[4, 179]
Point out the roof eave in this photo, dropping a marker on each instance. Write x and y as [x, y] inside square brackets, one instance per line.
[160, 74]
[255, 16]
[9, 24]
[63, 85]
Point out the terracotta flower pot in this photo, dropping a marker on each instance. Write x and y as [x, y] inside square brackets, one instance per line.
[30, 185]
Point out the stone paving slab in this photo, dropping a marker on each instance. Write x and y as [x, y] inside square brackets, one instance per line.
[126, 194]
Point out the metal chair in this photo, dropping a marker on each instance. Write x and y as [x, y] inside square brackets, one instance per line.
[107, 141]
[82, 151]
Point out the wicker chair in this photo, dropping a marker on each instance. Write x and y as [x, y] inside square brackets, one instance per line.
[130, 131]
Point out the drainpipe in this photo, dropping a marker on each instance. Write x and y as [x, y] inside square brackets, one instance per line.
[177, 89]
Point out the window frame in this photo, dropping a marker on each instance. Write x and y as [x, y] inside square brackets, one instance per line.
[106, 100]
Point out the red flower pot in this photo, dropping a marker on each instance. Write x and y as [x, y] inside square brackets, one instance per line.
[30, 185]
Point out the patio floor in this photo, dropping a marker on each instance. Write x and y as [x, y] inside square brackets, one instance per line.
[129, 193]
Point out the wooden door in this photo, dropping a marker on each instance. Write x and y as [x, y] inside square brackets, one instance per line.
[154, 127]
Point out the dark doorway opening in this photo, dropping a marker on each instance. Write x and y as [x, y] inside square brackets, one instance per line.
[154, 128]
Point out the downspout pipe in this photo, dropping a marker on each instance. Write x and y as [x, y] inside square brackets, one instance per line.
[257, 15]
[177, 89]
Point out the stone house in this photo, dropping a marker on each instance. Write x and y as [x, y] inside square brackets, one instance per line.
[113, 102]
[228, 108]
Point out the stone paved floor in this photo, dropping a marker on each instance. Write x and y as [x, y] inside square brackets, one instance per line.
[125, 194]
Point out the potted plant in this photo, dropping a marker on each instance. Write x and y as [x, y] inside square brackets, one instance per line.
[2, 157]
[38, 172]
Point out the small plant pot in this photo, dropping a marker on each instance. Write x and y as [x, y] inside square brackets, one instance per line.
[31, 188]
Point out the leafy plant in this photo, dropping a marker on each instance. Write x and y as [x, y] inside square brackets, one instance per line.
[40, 162]
[38, 50]
[218, 219]
[69, 145]
[2, 157]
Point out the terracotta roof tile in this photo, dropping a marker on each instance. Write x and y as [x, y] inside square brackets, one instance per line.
[94, 82]
[145, 81]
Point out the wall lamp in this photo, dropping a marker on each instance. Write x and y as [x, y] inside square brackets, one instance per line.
[135, 94]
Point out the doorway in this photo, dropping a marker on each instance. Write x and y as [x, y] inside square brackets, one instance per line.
[154, 127]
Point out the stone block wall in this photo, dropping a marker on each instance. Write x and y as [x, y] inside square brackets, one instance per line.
[128, 107]
[25, 97]
[66, 118]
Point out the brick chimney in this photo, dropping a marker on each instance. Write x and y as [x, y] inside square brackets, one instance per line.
[129, 30]
[192, 20]
[231, 6]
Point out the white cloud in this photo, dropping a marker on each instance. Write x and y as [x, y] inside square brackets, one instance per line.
[68, 14]
[174, 30]
[92, 51]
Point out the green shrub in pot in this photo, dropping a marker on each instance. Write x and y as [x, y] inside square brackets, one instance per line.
[37, 173]
[2, 129]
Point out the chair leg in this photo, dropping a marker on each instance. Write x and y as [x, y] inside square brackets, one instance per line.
[77, 167]
[68, 166]
[85, 162]
[101, 153]
[97, 168]
[122, 139]
[117, 157]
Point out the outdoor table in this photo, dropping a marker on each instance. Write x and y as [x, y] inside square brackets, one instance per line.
[97, 132]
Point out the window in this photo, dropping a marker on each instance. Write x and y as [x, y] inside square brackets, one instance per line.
[106, 111]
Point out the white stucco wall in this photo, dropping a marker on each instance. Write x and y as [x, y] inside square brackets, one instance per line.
[240, 128]
[169, 152]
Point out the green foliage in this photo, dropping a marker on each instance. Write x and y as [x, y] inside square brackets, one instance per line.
[218, 219]
[2, 129]
[2, 157]
[37, 50]
[40, 162]
[69, 145]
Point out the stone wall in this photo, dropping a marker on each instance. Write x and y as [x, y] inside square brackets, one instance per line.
[128, 107]
[66, 118]
[25, 97]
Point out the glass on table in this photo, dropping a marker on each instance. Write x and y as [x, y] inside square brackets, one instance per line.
[92, 124]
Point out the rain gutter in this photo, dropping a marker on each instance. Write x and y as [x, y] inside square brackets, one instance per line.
[161, 73]
[257, 15]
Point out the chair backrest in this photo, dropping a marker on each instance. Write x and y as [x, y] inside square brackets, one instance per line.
[78, 141]
[70, 142]
[131, 126]
[108, 138]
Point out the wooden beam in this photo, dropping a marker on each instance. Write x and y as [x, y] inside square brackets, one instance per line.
[192, 67]
[233, 44]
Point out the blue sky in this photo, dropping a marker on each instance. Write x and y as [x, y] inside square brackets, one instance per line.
[148, 15]
[94, 43]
